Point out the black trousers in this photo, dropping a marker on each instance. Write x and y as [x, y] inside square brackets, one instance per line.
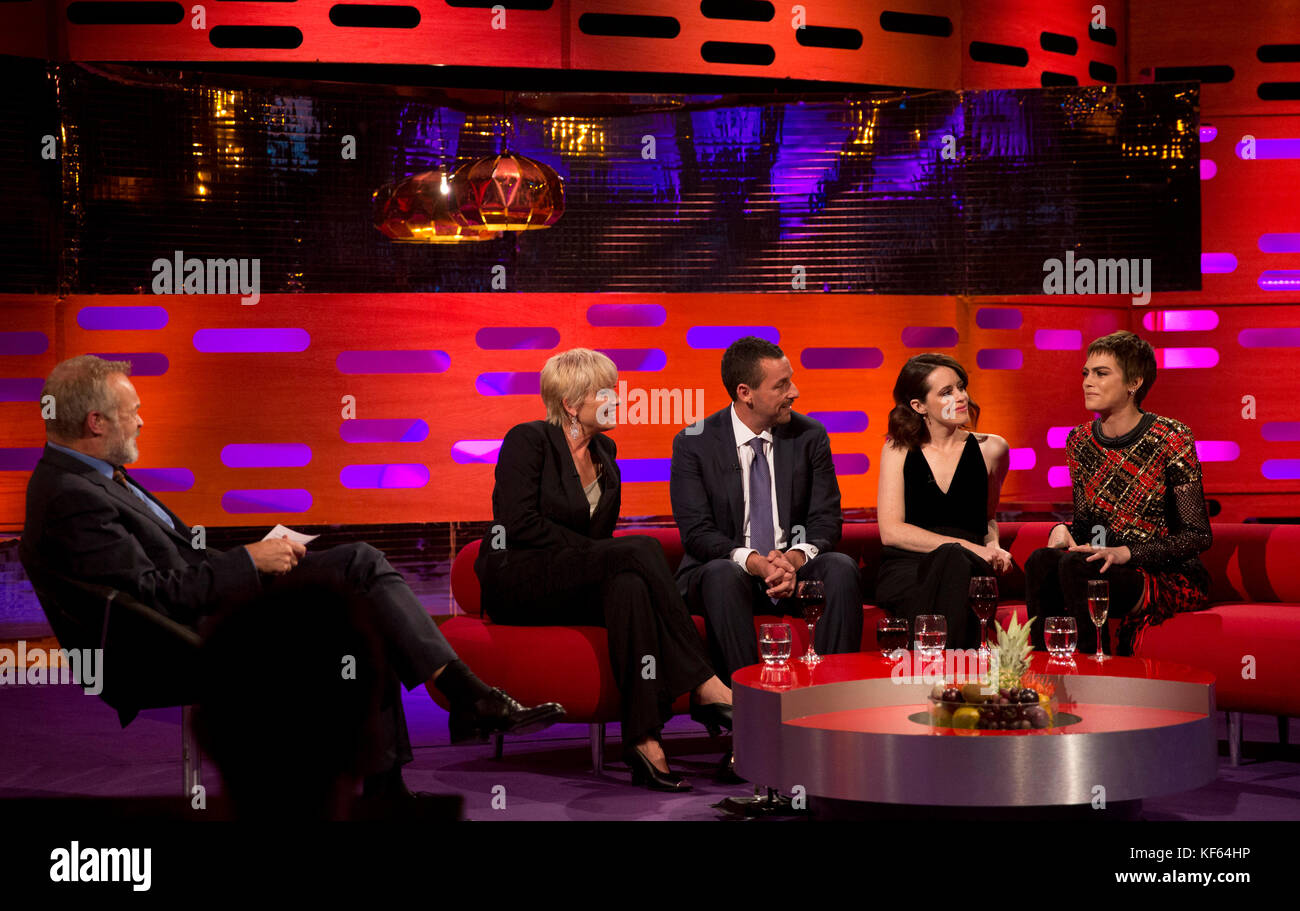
[1056, 585]
[909, 584]
[413, 645]
[624, 585]
[728, 597]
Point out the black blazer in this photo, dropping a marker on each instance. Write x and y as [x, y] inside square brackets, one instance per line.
[539, 503]
[83, 525]
[709, 502]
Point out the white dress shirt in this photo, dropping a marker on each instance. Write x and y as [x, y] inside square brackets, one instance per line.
[746, 454]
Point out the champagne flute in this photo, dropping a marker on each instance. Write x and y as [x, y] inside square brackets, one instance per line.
[1098, 608]
[984, 602]
[812, 597]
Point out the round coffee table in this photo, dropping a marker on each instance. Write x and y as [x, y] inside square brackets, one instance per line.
[844, 729]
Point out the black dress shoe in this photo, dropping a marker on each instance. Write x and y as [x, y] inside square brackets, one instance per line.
[644, 772]
[714, 716]
[497, 713]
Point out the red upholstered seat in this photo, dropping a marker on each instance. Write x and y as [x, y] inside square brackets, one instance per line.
[1253, 650]
[1255, 597]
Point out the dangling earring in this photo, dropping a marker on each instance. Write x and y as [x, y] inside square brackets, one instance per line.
[573, 429]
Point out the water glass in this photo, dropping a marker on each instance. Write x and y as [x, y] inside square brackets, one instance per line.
[774, 643]
[1061, 635]
[931, 635]
[891, 635]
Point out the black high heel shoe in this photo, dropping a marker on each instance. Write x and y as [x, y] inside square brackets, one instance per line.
[645, 773]
[714, 716]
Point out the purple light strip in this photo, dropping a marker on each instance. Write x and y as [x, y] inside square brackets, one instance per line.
[850, 463]
[1269, 338]
[841, 421]
[1281, 431]
[998, 318]
[121, 319]
[164, 480]
[626, 315]
[723, 336]
[382, 361]
[149, 363]
[266, 455]
[251, 341]
[1272, 148]
[1056, 437]
[1217, 450]
[1279, 243]
[384, 477]
[1022, 459]
[1178, 358]
[507, 383]
[644, 471]
[1281, 469]
[1180, 320]
[378, 430]
[1058, 476]
[21, 389]
[1280, 280]
[20, 458]
[648, 359]
[517, 338]
[477, 452]
[266, 500]
[1217, 263]
[1058, 339]
[24, 343]
[1208, 133]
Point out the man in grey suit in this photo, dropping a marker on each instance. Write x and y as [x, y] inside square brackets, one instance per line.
[88, 520]
[755, 497]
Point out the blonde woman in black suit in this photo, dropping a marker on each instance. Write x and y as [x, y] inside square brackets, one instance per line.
[557, 495]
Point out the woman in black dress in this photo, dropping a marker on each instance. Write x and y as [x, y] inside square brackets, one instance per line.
[939, 486]
[557, 496]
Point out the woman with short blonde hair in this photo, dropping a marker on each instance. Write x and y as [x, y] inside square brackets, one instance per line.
[571, 375]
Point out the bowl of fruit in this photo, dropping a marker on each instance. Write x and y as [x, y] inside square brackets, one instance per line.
[974, 707]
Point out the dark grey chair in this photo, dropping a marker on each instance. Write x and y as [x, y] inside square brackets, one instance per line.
[148, 659]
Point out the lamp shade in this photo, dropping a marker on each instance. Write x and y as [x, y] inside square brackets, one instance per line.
[417, 210]
[507, 192]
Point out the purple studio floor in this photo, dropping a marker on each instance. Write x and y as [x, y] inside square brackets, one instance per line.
[59, 742]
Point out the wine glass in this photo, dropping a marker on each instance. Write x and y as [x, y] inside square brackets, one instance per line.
[774, 641]
[1061, 635]
[984, 602]
[931, 635]
[812, 597]
[1098, 608]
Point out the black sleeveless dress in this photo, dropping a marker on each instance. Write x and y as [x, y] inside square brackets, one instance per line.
[910, 583]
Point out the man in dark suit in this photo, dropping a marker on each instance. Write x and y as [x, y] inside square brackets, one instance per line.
[755, 497]
[87, 520]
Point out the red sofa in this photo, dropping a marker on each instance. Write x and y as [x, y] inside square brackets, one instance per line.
[1255, 612]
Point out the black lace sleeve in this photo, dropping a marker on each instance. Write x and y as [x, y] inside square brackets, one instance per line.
[1187, 516]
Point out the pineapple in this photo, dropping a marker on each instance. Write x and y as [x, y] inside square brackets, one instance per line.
[1012, 653]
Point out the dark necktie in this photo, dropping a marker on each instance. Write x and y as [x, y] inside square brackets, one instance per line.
[120, 477]
[762, 537]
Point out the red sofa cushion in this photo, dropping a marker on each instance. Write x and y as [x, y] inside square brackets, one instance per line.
[1223, 638]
